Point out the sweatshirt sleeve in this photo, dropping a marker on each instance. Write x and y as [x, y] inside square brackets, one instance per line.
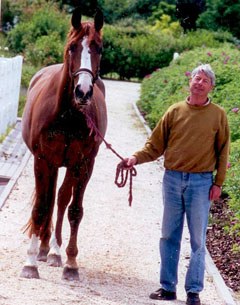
[156, 143]
[222, 151]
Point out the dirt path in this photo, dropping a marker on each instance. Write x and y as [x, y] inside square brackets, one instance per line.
[118, 245]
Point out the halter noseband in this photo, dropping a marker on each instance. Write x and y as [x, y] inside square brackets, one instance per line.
[82, 70]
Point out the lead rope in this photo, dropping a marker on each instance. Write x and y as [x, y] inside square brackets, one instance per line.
[122, 172]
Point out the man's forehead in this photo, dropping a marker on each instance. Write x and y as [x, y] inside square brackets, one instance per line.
[201, 74]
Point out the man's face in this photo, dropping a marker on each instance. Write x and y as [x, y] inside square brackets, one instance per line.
[200, 85]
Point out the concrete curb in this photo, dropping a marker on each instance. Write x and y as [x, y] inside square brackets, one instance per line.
[222, 289]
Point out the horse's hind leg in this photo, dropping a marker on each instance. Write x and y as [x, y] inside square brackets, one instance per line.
[40, 222]
[47, 226]
[64, 197]
[75, 214]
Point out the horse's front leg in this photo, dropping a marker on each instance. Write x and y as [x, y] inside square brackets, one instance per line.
[41, 219]
[64, 196]
[75, 214]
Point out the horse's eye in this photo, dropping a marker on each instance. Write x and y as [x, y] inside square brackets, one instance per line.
[95, 48]
[72, 47]
[99, 50]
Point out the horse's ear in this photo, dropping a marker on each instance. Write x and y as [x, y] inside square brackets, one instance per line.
[76, 18]
[98, 20]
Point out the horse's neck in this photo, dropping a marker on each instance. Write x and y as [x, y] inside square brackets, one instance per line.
[65, 90]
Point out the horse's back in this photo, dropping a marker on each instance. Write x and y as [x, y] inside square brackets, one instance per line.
[44, 74]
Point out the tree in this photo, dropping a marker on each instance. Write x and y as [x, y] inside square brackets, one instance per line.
[223, 14]
[163, 8]
[145, 7]
[136, 9]
[187, 11]
[7, 16]
[88, 7]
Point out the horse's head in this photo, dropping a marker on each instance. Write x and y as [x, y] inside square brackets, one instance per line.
[83, 54]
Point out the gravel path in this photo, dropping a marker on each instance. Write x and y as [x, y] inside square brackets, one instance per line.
[118, 245]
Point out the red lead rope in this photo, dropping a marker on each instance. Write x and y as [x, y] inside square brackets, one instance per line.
[122, 171]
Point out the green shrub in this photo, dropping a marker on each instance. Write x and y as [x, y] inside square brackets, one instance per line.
[27, 73]
[19, 37]
[135, 52]
[233, 180]
[44, 22]
[21, 104]
[170, 84]
[131, 49]
[46, 51]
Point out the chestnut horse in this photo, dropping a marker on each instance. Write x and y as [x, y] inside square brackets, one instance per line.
[65, 105]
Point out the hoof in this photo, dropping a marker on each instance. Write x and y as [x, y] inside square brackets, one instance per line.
[70, 274]
[42, 255]
[30, 272]
[54, 260]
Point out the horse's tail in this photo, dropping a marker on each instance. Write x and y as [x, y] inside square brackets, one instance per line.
[27, 228]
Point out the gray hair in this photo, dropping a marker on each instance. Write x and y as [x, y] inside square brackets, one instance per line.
[207, 69]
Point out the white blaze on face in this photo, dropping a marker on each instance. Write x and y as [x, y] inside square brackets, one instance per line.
[85, 79]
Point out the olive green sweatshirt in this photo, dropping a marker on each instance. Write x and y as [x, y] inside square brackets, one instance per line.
[192, 139]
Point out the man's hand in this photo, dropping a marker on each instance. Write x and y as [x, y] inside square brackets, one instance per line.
[215, 192]
[130, 162]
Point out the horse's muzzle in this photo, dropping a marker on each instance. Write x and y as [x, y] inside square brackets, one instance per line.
[81, 96]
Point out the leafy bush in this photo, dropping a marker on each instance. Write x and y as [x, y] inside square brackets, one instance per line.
[233, 178]
[131, 49]
[166, 26]
[116, 10]
[21, 104]
[44, 22]
[18, 38]
[133, 52]
[223, 14]
[170, 84]
[46, 51]
[134, 55]
[27, 73]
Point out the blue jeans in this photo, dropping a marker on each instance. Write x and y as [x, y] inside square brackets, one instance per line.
[184, 193]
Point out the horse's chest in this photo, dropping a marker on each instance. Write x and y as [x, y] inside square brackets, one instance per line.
[67, 148]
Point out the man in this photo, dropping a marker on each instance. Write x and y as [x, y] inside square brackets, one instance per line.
[193, 137]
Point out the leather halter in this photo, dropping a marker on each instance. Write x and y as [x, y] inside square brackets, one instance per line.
[82, 70]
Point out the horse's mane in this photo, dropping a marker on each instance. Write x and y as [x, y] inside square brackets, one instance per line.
[87, 29]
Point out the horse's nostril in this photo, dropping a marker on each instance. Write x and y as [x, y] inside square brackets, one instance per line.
[83, 96]
[78, 92]
[89, 93]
